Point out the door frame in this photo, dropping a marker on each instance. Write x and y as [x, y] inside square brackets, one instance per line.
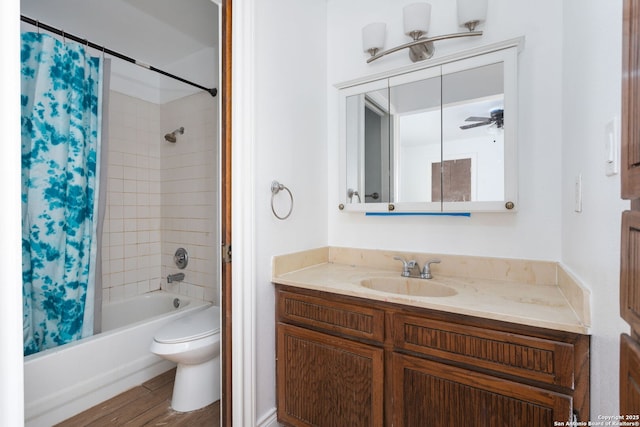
[238, 403]
[225, 215]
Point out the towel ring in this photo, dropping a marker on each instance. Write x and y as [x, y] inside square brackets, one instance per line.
[275, 189]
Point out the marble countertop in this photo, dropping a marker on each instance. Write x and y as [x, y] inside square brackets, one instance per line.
[542, 305]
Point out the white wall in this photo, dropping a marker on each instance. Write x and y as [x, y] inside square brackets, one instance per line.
[591, 240]
[534, 231]
[289, 146]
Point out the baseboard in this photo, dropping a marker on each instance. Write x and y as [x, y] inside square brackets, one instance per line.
[270, 419]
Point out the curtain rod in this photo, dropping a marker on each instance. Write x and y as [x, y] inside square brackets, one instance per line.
[38, 24]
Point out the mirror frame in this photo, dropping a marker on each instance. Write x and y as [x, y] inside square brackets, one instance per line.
[505, 52]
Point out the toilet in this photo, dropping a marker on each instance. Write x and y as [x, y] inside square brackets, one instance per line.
[193, 342]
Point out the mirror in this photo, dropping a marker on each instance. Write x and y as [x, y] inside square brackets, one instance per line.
[435, 139]
[369, 151]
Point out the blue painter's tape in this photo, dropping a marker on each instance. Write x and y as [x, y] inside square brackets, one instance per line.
[466, 214]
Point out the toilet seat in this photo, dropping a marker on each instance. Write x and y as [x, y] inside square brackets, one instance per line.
[189, 328]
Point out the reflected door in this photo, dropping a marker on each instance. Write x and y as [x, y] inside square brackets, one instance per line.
[451, 180]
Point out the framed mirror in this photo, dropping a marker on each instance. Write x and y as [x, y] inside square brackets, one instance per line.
[437, 139]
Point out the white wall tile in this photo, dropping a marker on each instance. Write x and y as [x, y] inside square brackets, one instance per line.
[149, 179]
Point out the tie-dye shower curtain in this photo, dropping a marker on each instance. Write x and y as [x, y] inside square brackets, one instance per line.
[61, 115]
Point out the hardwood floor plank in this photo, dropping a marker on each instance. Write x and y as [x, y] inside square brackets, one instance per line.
[148, 418]
[160, 380]
[161, 406]
[158, 398]
[105, 408]
[209, 416]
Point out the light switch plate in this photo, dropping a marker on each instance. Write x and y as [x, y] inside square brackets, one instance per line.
[611, 145]
[578, 194]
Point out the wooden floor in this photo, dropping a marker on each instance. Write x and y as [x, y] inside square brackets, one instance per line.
[145, 405]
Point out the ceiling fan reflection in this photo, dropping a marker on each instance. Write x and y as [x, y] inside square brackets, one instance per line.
[497, 119]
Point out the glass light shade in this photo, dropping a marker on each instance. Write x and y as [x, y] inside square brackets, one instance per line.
[471, 10]
[417, 17]
[373, 36]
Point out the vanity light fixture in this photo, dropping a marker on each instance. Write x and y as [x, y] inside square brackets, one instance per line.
[417, 17]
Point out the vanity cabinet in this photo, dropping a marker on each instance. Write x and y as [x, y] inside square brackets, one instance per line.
[349, 361]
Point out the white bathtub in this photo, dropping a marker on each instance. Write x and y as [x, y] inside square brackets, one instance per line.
[61, 382]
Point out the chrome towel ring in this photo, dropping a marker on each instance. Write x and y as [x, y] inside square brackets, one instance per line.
[275, 189]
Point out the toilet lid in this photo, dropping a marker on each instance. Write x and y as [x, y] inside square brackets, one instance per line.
[191, 327]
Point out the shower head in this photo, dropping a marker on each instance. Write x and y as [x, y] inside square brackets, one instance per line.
[171, 137]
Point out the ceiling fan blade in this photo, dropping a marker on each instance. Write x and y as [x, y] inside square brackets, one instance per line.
[477, 119]
[475, 125]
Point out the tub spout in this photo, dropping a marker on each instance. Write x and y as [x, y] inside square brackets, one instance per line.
[178, 277]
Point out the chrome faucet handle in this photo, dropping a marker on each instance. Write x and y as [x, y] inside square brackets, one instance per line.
[406, 266]
[426, 271]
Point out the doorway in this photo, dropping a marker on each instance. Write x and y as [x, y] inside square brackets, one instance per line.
[451, 180]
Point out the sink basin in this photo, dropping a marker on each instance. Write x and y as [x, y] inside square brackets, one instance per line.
[408, 286]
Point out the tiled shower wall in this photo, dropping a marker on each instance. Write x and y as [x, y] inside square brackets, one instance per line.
[131, 240]
[188, 172]
[161, 196]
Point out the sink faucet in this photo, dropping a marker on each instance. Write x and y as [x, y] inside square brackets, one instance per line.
[407, 266]
[426, 271]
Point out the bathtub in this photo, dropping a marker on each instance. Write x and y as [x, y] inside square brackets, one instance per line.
[63, 381]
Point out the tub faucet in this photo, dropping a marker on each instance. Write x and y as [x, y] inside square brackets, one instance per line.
[178, 277]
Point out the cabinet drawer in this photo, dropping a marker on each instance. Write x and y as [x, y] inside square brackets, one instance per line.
[532, 358]
[341, 318]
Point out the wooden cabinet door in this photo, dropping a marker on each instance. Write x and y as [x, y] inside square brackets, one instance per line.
[630, 269]
[630, 183]
[630, 167]
[428, 393]
[324, 380]
[629, 377]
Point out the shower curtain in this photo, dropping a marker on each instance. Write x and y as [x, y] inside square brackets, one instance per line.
[61, 140]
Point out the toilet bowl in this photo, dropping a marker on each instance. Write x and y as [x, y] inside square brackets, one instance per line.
[193, 342]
